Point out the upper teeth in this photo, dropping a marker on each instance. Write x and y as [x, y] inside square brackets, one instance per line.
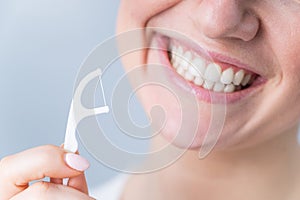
[209, 75]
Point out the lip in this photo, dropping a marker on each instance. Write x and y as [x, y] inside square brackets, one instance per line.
[161, 46]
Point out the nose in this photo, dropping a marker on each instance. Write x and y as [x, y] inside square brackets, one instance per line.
[226, 19]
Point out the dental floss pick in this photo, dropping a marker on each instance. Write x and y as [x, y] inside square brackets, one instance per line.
[71, 143]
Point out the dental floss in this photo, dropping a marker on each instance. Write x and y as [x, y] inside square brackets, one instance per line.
[71, 143]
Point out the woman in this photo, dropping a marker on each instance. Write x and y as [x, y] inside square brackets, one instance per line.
[256, 156]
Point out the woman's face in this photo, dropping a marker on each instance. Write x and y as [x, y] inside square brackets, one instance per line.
[233, 41]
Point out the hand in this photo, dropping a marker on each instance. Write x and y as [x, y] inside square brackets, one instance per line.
[16, 171]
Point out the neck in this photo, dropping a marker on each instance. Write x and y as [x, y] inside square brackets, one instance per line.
[265, 157]
[269, 169]
[264, 167]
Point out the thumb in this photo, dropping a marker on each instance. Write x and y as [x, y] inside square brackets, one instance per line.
[79, 183]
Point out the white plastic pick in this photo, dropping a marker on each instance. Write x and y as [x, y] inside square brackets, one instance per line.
[82, 112]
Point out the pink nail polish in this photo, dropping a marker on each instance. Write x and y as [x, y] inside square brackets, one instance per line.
[76, 162]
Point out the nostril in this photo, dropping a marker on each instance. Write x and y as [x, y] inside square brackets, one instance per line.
[226, 19]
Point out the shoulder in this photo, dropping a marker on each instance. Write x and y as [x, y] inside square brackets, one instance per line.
[112, 189]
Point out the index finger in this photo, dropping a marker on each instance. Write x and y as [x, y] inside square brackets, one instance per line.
[18, 170]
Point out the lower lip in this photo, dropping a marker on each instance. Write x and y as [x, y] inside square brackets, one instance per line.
[201, 93]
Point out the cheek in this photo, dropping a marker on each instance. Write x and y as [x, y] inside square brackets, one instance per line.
[168, 118]
[135, 14]
[290, 75]
[291, 91]
[132, 18]
[181, 119]
[177, 120]
[284, 40]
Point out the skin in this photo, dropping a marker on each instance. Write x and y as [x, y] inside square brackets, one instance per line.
[257, 155]
[258, 149]
[17, 171]
[261, 46]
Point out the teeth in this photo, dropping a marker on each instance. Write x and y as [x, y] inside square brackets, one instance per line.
[180, 71]
[174, 58]
[208, 75]
[213, 72]
[227, 76]
[173, 49]
[188, 76]
[219, 87]
[252, 79]
[174, 63]
[246, 80]
[180, 50]
[229, 88]
[186, 60]
[194, 71]
[208, 84]
[198, 81]
[199, 66]
[238, 77]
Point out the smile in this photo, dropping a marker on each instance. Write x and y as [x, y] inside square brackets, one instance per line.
[209, 75]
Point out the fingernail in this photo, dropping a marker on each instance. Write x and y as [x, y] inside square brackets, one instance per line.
[77, 162]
